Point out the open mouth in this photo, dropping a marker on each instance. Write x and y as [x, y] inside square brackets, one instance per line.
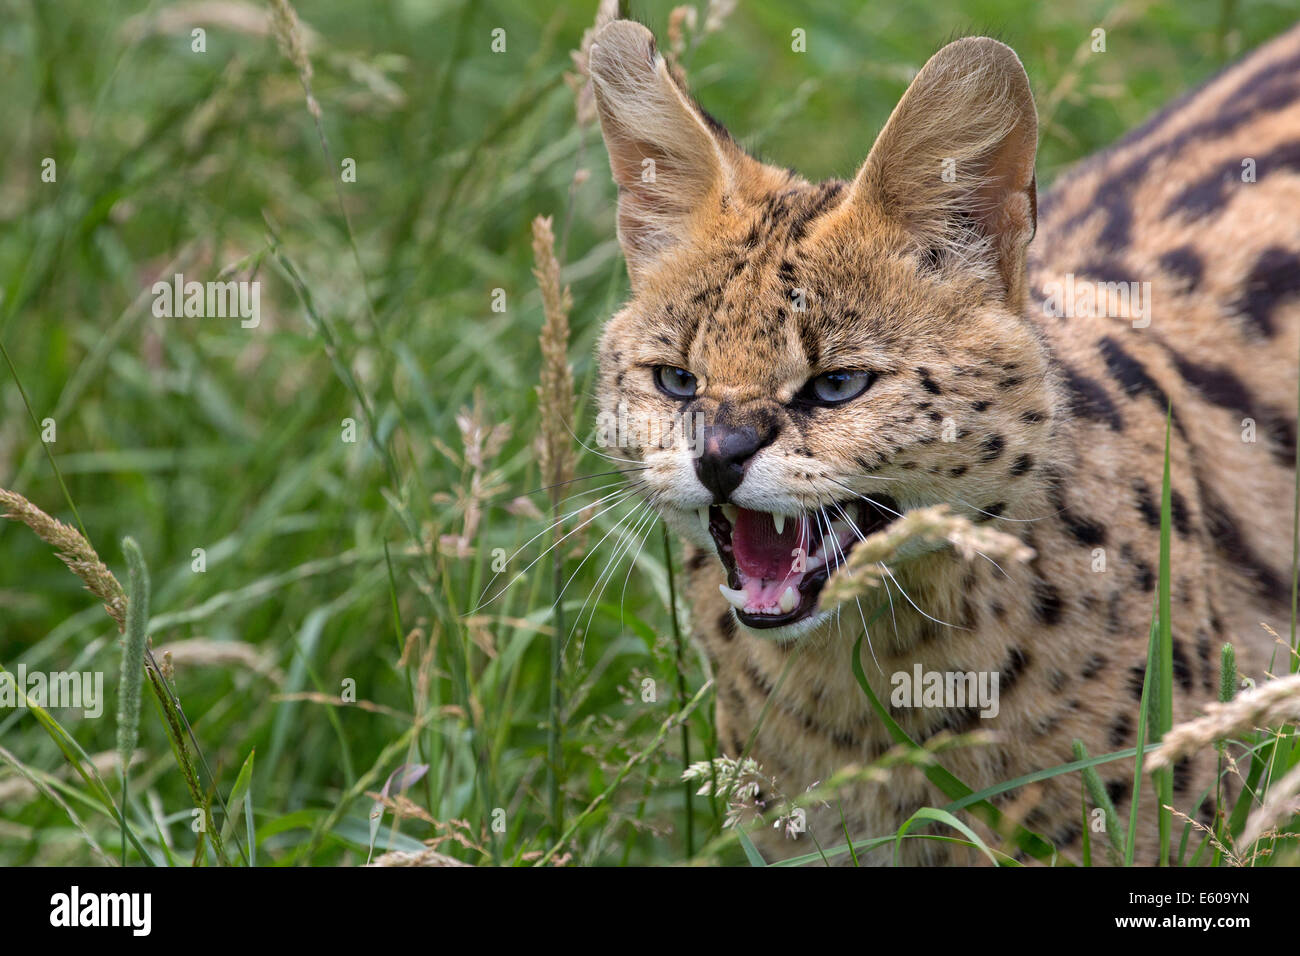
[777, 564]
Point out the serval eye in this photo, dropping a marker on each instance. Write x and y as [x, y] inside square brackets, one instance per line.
[836, 388]
[674, 381]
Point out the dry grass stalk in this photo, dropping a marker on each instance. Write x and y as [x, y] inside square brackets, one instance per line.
[481, 443]
[206, 652]
[1281, 804]
[293, 42]
[1271, 703]
[73, 550]
[715, 15]
[556, 392]
[685, 33]
[423, 858]
[580, 80]
[1229, 855]
[229, 16]
[937, 525]
[18, 789]
[681, 21]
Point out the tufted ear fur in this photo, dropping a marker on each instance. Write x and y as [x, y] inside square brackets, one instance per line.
[665, 158]
[955, 162]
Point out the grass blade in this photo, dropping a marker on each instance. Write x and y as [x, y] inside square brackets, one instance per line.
[130, 683]
[1165, 655]
[751, 852]
[1033, 844]
[940, 816]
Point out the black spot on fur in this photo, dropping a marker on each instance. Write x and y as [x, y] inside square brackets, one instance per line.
[1047, 602]
[1206, 813]
[1131, 375]
[1022, 466]
[958, 720]
[980, 406]
[1185, 265]
[967, 613]
[1136, 675]
[1032, 418]
[1222, 387]
[1224, 530]
[1209, 193]
[1089, 400]
[1182, 774]
[727, 626]
[991, 448]
[1182, 667]
[758, 679]
[927, 383]
[1178, 510]
[827, 194]
[1114, 621]
[1120, 730]
[1092, 666]
[1275, 275]
[1146, 504]
[1017, 661]
[697, 560]
[1084, 530]
[808, 338]
[1107, 270]
[1065, 835]
[1203, 652]
[958, 471]
[1119, 790]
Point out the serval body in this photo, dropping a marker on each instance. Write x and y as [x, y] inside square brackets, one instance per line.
[857, 349]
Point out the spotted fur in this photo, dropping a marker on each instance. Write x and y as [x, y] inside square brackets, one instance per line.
[755, 280]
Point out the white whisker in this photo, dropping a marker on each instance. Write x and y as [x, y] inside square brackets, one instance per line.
[866, 632]
[622, 598]
[909, 600]
[587, 557]
[607, 573]
[618, 496]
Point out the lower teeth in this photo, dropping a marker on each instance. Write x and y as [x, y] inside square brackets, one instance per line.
[739, 597]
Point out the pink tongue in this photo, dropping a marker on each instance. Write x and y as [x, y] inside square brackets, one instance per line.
[762, 553]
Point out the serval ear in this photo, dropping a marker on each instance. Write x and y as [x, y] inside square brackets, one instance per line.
[666, 160]
[955, 162]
